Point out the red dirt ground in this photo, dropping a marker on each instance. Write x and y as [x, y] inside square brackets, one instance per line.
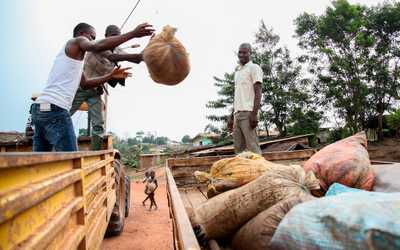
[145, 230]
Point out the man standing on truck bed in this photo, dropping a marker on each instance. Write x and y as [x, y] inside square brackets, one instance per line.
[98, 64]
[244, 119]
[50, 112]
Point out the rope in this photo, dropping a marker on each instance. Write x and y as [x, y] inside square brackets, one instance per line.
[126, 19]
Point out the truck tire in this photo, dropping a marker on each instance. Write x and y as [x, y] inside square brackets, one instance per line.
[127, 195]
[117, 219]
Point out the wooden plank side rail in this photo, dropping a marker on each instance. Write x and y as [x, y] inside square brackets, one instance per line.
[55, 200]
[185, 237]
[270, 156]
[20, 159]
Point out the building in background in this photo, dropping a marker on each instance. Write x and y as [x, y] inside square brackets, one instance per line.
[205, 139]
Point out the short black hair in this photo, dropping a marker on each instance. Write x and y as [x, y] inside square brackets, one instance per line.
[111, 28]
[81, 27]
[245, 45]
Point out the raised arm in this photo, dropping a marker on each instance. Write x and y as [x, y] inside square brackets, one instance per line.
[114, 41]
[134, 58]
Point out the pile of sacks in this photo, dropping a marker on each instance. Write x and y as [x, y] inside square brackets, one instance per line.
[273, 206]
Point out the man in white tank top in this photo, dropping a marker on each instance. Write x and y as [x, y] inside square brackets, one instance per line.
[50, 113]
[98, 64]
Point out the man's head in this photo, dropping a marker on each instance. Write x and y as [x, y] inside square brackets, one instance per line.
[86, 30]
[244, 53]
[152, 174]
[112, 30]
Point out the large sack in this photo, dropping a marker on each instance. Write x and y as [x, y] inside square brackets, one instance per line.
[350, 220]
[166, 58]
[224, 214]
[346, 162]
[230, 173]
[257, 233]
[387, 178]
[337, 188]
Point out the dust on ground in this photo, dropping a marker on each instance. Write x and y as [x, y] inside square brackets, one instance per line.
[145, 230]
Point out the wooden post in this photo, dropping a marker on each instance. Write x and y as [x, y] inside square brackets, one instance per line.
[105, 107]
[89, 121]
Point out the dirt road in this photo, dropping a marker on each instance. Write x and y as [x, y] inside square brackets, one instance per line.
[145, 230]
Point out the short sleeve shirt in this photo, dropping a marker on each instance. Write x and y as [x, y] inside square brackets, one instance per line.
[245, 77]
[96, 64]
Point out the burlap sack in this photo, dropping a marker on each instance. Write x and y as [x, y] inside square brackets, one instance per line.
[345, 162]
[166, 58]
[222, 215]
[230, 173]
[257, 233]
[387, 178]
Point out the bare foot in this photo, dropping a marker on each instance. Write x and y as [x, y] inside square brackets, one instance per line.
[143, 204]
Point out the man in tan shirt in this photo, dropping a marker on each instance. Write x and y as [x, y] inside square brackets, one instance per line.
[244, 120]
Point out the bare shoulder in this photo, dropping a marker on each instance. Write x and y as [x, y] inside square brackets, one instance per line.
[73, 48]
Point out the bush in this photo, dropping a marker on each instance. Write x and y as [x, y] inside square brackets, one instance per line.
[393, 121]
[338, 134]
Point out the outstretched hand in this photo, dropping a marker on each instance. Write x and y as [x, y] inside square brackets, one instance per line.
[119, 73]
[143, 29]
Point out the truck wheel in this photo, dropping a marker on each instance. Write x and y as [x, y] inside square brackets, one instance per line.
[127, 195]
[117, 219]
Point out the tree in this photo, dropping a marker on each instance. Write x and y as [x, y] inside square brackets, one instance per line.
[139, 135]
[161, 140]
[186, 139]
[284, 88]
[382, 36]
[307, 122]
[352, 53]
[226, 91]
[394, 121]
[336, 59]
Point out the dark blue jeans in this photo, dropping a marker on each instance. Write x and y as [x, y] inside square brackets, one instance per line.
[53, 130]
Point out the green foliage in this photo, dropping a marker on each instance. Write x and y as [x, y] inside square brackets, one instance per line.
[186, 139]
[83, 132]
[152, 139]
[285, 91]
[393, 121]
[226, 91]
[352, 52]
[352, 62]
[131, 148]
[338, 134]
[307, 122]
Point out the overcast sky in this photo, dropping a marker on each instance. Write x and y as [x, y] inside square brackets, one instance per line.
[33, 32]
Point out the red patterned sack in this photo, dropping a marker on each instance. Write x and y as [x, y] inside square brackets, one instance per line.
[345, 162]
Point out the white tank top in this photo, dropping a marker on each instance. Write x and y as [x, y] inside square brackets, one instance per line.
[63, 82]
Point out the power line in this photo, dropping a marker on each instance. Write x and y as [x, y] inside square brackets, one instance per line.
[123, 24]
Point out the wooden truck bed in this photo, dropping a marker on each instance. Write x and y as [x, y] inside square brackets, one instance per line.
[185, 194]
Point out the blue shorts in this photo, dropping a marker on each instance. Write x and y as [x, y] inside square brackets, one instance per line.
[53, 130]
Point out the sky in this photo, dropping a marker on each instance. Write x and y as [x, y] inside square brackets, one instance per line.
[33, 32]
